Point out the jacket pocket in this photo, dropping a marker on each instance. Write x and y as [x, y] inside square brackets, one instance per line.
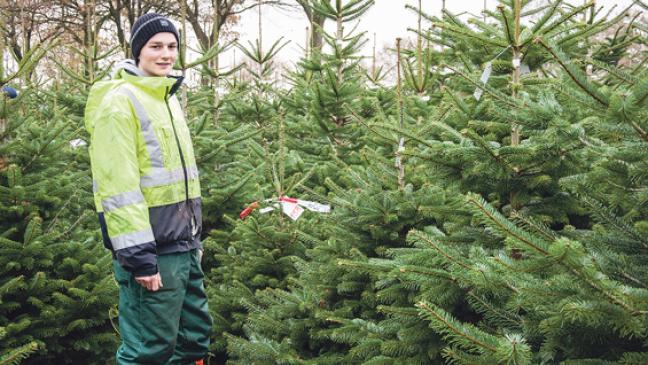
[169, 146]
[170, 222]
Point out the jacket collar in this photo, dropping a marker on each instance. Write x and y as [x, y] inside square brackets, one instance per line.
[177, 82]
[163, 86]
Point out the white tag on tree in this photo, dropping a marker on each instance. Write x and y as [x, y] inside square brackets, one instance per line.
[488, 67]
[76, 143]
[516, 62]
[315, 207]
[478, 93]
[293, 210]
[401, 145]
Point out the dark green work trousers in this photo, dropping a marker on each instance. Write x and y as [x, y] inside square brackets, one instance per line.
[169, 326]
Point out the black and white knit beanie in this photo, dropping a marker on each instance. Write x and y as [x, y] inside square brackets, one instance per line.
[146, 27]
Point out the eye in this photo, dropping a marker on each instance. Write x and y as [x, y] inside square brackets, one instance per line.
[173, 46]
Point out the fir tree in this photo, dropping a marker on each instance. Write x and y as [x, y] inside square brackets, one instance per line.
[16, 355]
[326, 86]
[530, 271]
[57, 290]
[330, 313]
[483, 273]
[252, 164]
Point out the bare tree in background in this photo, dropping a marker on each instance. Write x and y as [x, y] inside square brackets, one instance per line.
[25, 23]
[317, 23]
[208, 18]
[123, 13]
[90, 28]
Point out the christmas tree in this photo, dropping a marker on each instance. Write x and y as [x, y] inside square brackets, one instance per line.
[488, 200]
[57, 290]
[503, 171]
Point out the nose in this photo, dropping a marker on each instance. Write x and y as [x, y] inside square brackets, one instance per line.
[167, 52]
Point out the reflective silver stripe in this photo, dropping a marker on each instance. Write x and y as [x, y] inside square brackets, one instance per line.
[127, 240]
[95, 186]
[122, 200]
[160, 177]
[152, 144]
[192, 172]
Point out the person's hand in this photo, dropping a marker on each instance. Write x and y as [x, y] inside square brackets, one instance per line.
[152, 283]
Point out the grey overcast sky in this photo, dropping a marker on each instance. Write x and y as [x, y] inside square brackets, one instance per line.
[388, 19]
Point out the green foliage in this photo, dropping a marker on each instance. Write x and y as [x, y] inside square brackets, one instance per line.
[508, 242]
[16, 355]
[28, 62]
[346, 10]
[449, 240]
[56, 286]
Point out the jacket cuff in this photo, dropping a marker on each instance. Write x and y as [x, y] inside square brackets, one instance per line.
[140, 260]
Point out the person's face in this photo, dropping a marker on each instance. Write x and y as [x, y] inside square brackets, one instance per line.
[158, 55]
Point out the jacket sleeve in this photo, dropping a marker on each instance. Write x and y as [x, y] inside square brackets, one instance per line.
[114, 156]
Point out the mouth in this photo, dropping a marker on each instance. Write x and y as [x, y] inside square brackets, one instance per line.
[163, 64]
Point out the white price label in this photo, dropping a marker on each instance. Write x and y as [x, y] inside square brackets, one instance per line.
[315, 207]
[293, 210]
[488, 68]
[76, 143]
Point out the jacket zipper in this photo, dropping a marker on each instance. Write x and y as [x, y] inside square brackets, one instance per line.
[184, 166]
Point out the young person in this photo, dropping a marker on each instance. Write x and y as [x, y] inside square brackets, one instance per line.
[147, 195]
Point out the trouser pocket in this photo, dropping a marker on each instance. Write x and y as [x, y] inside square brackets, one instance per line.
[149, 321]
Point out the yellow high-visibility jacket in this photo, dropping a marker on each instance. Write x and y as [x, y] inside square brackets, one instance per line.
[145, 178]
